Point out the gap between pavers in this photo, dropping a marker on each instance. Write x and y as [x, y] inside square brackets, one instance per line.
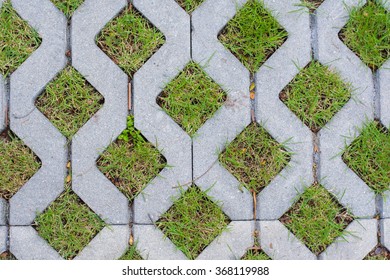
[232, 244]
[27, 122]
[335, 176]
[106, 125]
[157, 127]
[231, 119]
[385, 232]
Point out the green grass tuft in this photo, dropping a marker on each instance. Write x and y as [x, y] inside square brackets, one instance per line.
[69, 101]
[130, 40]
[312, 5]
[367, 33]
[131, 162]
[255, 158]
[189, 5]
[317, 219]
[17, 165]
[256, 253]
[369, 156]
[68, 224]
[252, 35]
[191, 98]
[315, 103]
[67, 6]
[17, 39]
[193, 222]
[131, 254]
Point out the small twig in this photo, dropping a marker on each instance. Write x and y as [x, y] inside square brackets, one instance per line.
[193, 181]
[253, 115]
[254, 204]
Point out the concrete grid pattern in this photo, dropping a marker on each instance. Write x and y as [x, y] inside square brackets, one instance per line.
[191, 38]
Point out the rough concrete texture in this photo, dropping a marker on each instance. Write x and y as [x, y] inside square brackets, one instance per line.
[285, 126]
[351, 191]
[3, 213]
[385, 232]
[26, 244]
[191, 160]
[109, 244]
[280, 244]
[359, 238]
[27, 122]
[154, 124]
[3, 238]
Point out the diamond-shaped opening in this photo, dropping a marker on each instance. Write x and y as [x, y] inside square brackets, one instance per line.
[17, 39]
[131, 254]
[256, 253]
[67, 6]
[378, 253]
[253, 35]
[131, 162]
[68, 224]
[193, 222]
[130, 40]
[7, 256]
[317, 219]
[369, 156]
[315, 103]
[367, 33]
[191, 98]
[69, 101]
[189, 5]
[18, 164]
[312, 5]
[255, 158]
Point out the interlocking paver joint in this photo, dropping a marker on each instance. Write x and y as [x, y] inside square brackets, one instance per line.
[237, 144]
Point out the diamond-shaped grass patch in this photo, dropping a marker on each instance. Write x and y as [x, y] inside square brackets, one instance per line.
[130, 40]
[367, 33]
[17, 39]
[69, 101]
[191, 98]
[315, 95]
[68, 224]
[255, 158]
[317, 219]
[379, 253]
[131, 254]
[17, 164]
[189, 5]
[253, 35]
[131, 162]
[193, 222]
[369, 156]
[67, 6]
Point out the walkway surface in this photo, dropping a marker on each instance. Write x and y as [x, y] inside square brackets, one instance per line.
[190, 37]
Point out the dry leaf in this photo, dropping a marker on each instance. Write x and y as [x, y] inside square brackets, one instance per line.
[68, 165]
[68, 178]
[131, 241]
[253, 95]
[252, 87]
